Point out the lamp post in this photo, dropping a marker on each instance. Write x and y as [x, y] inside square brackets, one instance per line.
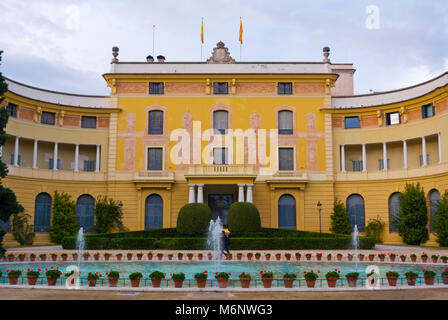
[319, 206]
[120, 205]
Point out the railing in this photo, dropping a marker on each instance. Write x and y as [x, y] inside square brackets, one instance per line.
[154, 175]
[221, 169]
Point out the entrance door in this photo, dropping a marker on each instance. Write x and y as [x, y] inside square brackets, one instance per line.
[220, 204]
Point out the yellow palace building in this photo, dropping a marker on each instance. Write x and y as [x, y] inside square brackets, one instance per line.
[286, 136]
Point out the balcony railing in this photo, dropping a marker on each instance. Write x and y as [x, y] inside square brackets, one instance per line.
[154, 175]
[224, 169]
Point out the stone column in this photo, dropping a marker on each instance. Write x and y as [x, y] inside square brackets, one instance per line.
[35, 155]
[97, 160]
[424, 152]
[342, 158]
[249, 193]
[405, 154]
[440, 147]
[364, 158]
[77, 158]
[55, 156]
[191, 195]
[385, 156]
[16, 152]
[241, 193]
[200, 193]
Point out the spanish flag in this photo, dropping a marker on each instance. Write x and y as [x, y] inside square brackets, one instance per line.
[202, 31]
[241, 32]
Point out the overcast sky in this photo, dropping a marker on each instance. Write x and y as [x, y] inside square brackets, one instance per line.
[66, 45]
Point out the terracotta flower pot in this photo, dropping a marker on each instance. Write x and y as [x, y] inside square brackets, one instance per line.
[92, 282]
[429, 280]
[170, 257]
[222, 282]
[201, 283]
[159, 257]
[392, 259]
[392, 281]
[178, 283]
[113, 281]
[52, 281]
[119, 258]
[190, 258]
[156, 282]
[329, 258]
[413, 259]
[361, 258]
[350, 258]
[106, 258]
[32, 280]
[268, 257]
[403, 259]
[332, 282]
[434, 260]
[411, 281]
[209, 257]
[129, 257]
[382, 258]
[13, 279]
[249, 258]
[445, 279]
[64, 258]
[135, 282]
[139, 258]
[267, 282]
[298, 258]
[308, 258]
[228, 257]
[288, 258]
[340, 258]
[96, 258]
[278, 258]
[54, 258]
[11, 258]
[288, 282]
[149, 257]
[257, 257]
[32, 258]
[43, 258]
[179, 257]
[444, 260]
[239, 257]
[75, 257]
[200, 258]
[424, 259]
[245, 283]
[352, 281]
[371, 258]
[86, 258]
[310, 283]
[319, 258]
[21, 258]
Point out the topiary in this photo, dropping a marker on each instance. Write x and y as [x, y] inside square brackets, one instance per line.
[244, 216]
[194, 219]
[340, 222]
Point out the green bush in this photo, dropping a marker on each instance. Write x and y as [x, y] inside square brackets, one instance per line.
[375, 229]
[107, 215]
[22, 231]
[244, 217]
[194, 219]
[64, 217]
[440, 221]
[412, 220]
[340, 222]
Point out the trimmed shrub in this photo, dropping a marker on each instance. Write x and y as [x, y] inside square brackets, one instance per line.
[340, 222]
[375, 229]
[244, 217]
[440, 221]
[194, 219]
[22, 230]
[107, 215]
[64, 217]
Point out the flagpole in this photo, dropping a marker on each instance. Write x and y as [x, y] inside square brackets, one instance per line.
[153, 36]
[241, 40]
[202, 34]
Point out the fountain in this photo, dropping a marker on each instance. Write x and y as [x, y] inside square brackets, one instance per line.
[214, 240]
[80, 245]
[355, 242]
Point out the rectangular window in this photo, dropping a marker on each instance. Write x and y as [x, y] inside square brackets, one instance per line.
[155, 125]
[220, 88]
[19, 159]
[285, 122]
[220, 121]
[156, 88]
[286, 159]
[155, 158]
[428, 110]
[381, 164]
[421, 160]
[393, 118]
[357, 165]
[50, 164]
[220, 156]
[88, 122]
[284, 88]
[12, 110]
[89, 165]
[47, 118]
[351, 122]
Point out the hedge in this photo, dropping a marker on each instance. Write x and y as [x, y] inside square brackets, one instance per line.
[244, 216]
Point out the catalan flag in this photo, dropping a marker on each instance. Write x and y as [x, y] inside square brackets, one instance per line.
[241, 32]
[202, 31]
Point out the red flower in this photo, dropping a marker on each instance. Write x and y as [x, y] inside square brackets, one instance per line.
[51, 267]
[28, 270]
[205, 271]
[229, 273]
[216, 273]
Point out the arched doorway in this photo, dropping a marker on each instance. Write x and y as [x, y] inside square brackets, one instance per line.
[287, 212]
[153, 212]
[42, 213]
[85, 208]
[356, 211]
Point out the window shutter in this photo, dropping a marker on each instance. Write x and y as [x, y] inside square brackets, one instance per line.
[50, 163]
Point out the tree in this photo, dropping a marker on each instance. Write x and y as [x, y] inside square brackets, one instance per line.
[440, 221]
[340, 222]
[375, 229]
[412, 219]
[22, 230]
[107, 215]
[8, 200]
[64, 217]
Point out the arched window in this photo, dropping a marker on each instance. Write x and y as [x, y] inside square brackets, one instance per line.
[434, 198]
[394, 210]
[287, 212]
[153, 212]
[220, 121]
[5, 225]
[285, 123]
[85, 207]
[155, 122]
[42, 213]
[356, 212]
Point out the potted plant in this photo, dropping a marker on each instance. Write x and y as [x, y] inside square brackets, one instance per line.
[403, 258]
[21, 257]
[371, 257]
[435, 258]
[178, 279]
[190, 256]
[278, 256]
[180, 256]
[86, 255]
[429, 277]
[119, 256]
[113, 277]
[298, 255]
[32, 276]
[201, 279]
[445, 276]
[339, 256]
[424, 257]
[64, 256]
[332, 278]
[52, 276]
[229, 256]
[288, 279]
[392, 277]
[249, 256]
[32, 257]
[200, 256]
[392, 257]
[209, 256]
[245, 279]
[288, 256]
[140, 256]
[54, 256]
[96, 256]
[267, 256]
[159, 256]
[68, 274]
[11, 257]
[310, 278]
[150, 255]
[92, 278]
[267, 278]
[411, 277]
[43, 257]
[352, 278]
[308, 256]
[13, 276]
[239, 256]
[444, 259]
[361, 257]
[129, 256]
[222, 278]
[74, 256]
[258, 255]
[413, 257]
[156, 278]
[382, 256]
[329, 257]
[135, 279]
[107, 256]
[350, 257]
[170, 256]
[319, 256]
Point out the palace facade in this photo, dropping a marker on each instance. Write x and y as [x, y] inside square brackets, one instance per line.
[286, 136]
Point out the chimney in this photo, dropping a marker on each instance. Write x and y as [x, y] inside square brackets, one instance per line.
[326, 51]
[160, 58]
[149, 58]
